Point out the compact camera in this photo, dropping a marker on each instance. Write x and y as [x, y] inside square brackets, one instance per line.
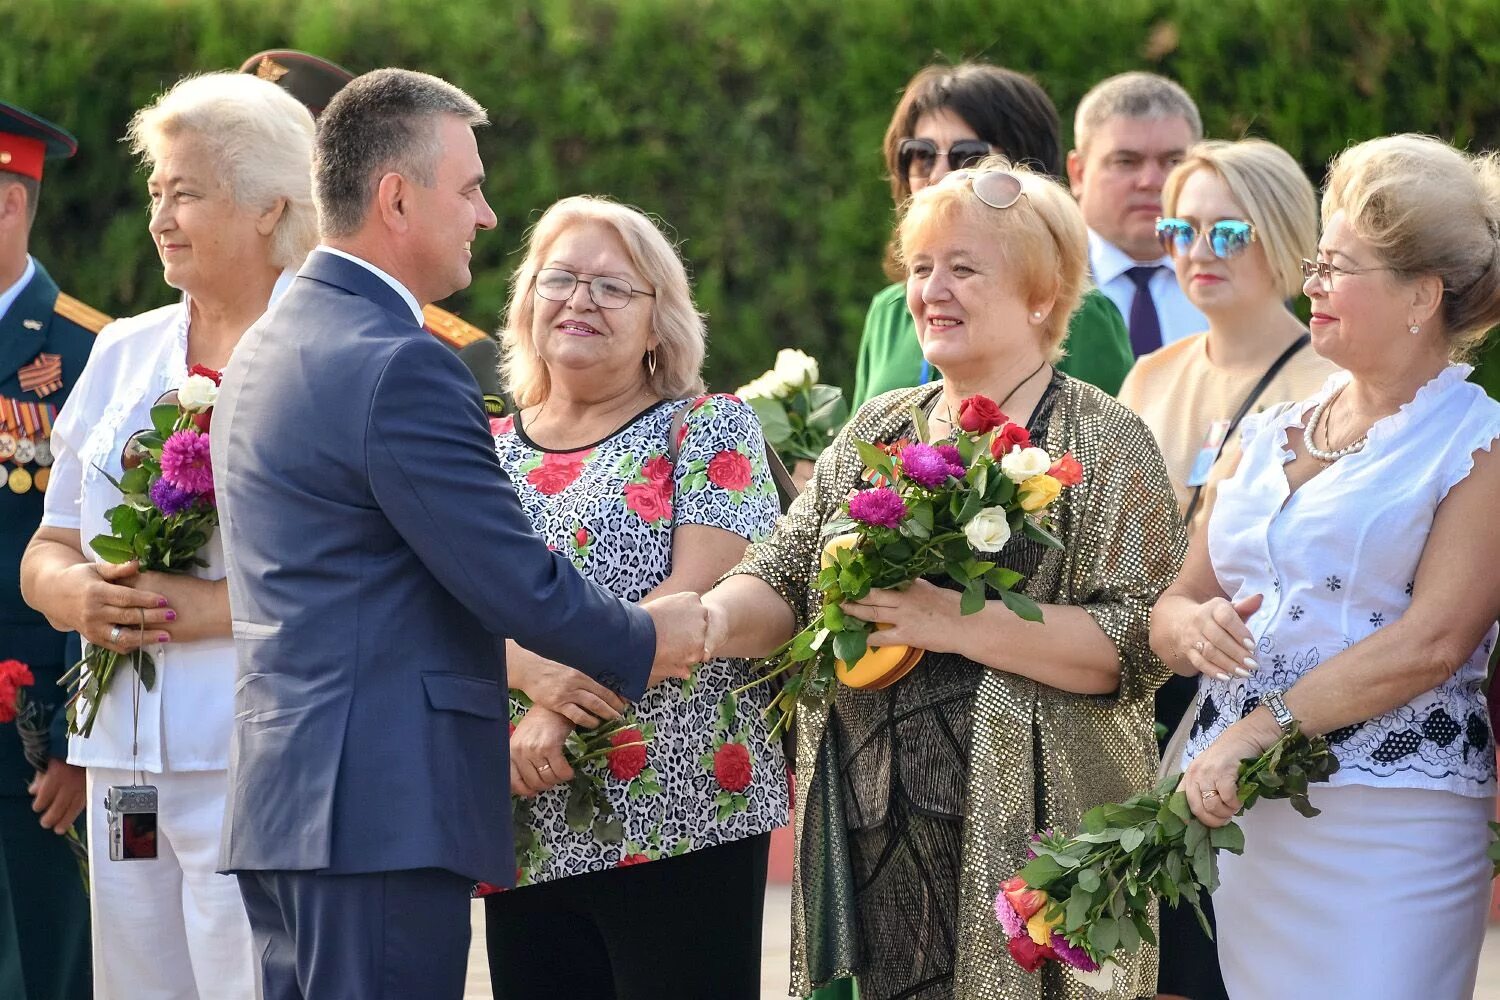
[131, 810]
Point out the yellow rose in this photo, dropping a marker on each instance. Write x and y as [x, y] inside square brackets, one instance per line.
[1038, 492]
[1040, 927]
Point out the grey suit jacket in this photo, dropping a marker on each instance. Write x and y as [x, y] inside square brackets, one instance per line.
[377, 558]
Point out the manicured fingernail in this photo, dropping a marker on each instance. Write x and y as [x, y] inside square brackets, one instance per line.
[161, 602]
[1248, 644]
[163, 637]
[1251, 663]
[171, 616]
[1241, 672]
[1224, 677]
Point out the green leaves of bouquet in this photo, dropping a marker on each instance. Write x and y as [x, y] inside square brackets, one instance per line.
[798, 415]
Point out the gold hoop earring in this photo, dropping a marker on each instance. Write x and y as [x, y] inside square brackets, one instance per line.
[651, 363]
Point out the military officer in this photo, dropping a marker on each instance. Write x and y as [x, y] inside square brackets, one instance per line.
[313, 81]
[45, 337]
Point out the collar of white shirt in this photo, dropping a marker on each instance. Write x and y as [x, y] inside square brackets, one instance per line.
[408, 297]
[9, 296]
[1109, 261]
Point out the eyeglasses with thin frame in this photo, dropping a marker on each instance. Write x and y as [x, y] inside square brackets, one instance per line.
[608, 292]
[996, 188]
[917, 157]
[1226, 238]
[1326, 271]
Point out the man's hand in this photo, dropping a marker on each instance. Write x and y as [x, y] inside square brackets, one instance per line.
[571, 693]
[536, 752]
[681, 635]
[58, 794]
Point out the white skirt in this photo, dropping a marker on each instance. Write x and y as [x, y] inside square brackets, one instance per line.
[1382, 897]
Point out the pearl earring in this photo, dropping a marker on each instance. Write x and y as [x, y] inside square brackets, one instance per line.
[1414, 329]
[1036, 315]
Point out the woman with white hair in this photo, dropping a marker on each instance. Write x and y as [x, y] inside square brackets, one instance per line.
[1345, 585]
[232, 217]
[650, 488]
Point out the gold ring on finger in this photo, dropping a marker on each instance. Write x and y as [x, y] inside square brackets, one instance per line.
[1198, 646]
[1210, 794]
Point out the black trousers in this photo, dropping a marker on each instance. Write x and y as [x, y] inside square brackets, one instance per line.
[44, 912]
[683, 928]
[381, 936]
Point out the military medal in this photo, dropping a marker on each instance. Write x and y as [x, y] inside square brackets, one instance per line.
[19, 481]
[43, 456]
[7, 445]
[25, 451]
[45, 413]
[40, 480]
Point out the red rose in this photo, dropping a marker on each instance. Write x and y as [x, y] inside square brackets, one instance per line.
[204, 419]
[978, 414]
[14, 675]
[207, 372]
[1011, 436]
[1022, 897]
[627, 762]
[631, 859]
[556, 473]
[658, 469]
[649, 500]
[732, 767]
[502, 425]
[581, 538]
[1028, 954]
[1067, 470]
[729, 470]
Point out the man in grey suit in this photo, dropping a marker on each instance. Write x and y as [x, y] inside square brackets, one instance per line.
[377, 561]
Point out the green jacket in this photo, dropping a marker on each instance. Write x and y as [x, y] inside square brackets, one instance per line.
[890, 358]
[40, 321]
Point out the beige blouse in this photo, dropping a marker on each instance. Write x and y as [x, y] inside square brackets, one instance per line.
[1184, 397]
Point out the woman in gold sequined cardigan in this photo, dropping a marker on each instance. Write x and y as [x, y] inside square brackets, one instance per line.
[916, 801]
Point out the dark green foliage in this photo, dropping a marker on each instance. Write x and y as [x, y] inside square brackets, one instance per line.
[752, 126]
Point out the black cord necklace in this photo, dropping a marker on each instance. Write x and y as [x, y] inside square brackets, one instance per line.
[953, 427]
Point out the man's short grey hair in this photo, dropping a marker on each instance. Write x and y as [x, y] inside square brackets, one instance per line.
[1133, 95]
[260, 139]
[382, 122]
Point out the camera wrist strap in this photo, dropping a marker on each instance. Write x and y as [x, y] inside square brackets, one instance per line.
[135, 708]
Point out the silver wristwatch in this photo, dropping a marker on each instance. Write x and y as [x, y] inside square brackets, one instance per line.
[1276, 704]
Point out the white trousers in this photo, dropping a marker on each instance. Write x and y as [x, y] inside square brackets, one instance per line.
[172, 928]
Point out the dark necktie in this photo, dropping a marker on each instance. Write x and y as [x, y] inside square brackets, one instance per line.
[1145, 325]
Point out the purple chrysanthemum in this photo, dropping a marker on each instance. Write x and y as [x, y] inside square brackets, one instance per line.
[1008, 917]
[169, 499]
[882, 508]
[953, 458]
[1072, 954]
[925, 465]
[185, 462]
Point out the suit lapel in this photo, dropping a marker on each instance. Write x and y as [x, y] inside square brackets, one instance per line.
[23, 328]
[331, 269]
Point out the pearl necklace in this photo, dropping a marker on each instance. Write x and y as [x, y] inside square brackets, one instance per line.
[1329, 457]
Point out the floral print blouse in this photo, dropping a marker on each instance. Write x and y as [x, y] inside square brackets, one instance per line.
[707, 773]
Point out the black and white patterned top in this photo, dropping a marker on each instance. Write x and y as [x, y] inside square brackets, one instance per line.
[1336, 562]
[707, 774]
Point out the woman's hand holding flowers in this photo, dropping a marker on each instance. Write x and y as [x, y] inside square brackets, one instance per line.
[1211, 781]
[924, 616]
[196, 609]
[537, 761]
[102, 596]
[563, 690]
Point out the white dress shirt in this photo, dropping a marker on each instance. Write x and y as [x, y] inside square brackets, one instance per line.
[1178, 317]
[401, 290]
[9, 296]
[185, 720]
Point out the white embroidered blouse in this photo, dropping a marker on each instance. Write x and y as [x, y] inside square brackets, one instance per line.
[1336, 562]
[184, 721]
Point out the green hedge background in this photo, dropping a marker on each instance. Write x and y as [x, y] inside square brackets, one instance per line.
[752, 127]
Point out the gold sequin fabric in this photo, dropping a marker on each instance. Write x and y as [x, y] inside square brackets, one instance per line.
[1039, 757]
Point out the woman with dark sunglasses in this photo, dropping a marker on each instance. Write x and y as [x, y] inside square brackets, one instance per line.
[1240, 215]
[952, 117]
[917, 798]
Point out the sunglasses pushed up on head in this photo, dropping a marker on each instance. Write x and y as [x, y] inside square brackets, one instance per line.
[1226, 238]
[996, 188]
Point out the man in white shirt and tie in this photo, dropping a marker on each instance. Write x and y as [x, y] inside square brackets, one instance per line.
[1130, 131]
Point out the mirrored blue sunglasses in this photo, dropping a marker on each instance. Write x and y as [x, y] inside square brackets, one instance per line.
[1226, 238]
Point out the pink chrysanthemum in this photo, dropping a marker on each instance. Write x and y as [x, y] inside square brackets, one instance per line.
[1071, 954]
[882, 508]
[185, 462]
[955, 460]
[925, 465]
[1008, 917]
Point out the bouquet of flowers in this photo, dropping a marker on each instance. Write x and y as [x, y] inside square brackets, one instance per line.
[32, 724]
[1083, 898]
[798, 414]
[165, 516]
[928, 510]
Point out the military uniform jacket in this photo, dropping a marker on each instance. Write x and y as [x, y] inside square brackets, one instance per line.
[40, 321]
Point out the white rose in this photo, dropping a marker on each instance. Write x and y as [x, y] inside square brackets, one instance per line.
[197, 394]
[754, 389]
[1023, 463]
[794, 368]
[989, 530]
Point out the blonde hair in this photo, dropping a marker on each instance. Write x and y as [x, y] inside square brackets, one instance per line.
[1273, 191]
[1428, 209]
[1042, 236]
[260, 139]
[681, 338]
